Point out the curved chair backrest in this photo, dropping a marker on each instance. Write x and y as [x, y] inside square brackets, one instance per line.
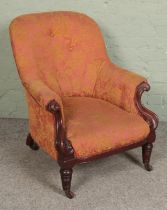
[64, 49]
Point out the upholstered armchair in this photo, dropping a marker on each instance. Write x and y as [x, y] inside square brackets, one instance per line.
[81, 106]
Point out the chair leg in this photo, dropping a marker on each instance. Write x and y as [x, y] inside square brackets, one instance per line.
[31, 143]
[66, 176]
[146, 154]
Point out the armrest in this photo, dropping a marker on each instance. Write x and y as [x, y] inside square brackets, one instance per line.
[52, 102]
[118, 86]
[43, 95]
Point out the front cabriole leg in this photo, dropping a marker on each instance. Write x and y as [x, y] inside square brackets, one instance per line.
[152, 121]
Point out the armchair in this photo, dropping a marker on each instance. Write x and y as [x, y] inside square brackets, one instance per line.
[81, 106]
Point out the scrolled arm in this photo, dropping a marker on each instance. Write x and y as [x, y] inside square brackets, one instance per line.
[41, 93]
[63, 145]
[149, 116]
[118, 86]
[53, 107]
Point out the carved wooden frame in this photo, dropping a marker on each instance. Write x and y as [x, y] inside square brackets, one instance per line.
[66, 158]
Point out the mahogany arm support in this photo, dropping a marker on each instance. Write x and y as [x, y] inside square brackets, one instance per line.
[62, 144]
[149, 116]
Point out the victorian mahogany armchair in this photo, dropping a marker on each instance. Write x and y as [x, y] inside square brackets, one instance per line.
[81, 106]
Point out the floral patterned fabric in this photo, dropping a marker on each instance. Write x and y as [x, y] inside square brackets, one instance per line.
[62, 55]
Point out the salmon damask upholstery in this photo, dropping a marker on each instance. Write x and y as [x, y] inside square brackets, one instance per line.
[95, 126]
[62, 56]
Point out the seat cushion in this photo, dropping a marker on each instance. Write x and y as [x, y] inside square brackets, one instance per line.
[95, 126]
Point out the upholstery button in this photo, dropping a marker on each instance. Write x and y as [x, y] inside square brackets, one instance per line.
[52, 34]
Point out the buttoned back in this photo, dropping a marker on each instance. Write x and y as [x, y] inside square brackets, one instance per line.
[65, 49]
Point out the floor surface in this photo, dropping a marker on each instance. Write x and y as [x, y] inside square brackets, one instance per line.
[29, 180]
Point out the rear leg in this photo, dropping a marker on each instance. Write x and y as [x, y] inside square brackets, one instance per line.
[31, 143]
[146, 153]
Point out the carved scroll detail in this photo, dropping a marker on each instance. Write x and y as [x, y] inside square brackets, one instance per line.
[150, 117]
[62, 144]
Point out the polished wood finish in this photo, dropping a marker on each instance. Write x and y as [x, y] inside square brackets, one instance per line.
[62, 144]
[66, 157]
[64, 147]
[112, 152]
[66, 176]
[151, 119]
[149, 116]
[146, 153]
